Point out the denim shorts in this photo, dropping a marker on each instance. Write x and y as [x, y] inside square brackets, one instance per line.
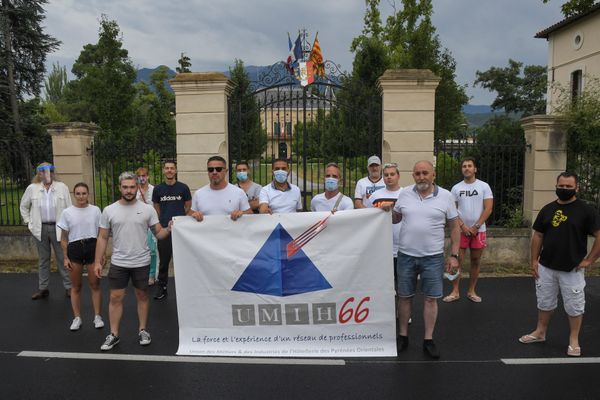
[429, 268]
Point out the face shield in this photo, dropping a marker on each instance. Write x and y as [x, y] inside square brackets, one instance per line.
[46, 172]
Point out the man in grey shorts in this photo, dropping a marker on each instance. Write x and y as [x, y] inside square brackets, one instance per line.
[559, 258]
[128, 219]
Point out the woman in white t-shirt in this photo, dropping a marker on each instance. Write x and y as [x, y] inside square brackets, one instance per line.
[79, 224]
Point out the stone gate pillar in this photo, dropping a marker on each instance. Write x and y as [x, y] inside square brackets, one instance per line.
[201, 123]
[408, 118]
[545, 158]
[72, 150]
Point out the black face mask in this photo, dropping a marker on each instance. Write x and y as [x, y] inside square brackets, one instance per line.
[565, 194]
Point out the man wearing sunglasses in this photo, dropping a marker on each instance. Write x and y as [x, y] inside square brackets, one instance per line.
[280, 196]
[219, 197]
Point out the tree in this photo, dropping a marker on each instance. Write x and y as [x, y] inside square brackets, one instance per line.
[55, 83]
[23, 50]
[248, 140]
[184, 64]
[103, 91]
[574, 7]
[519, 90]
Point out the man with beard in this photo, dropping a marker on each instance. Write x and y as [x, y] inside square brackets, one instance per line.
[366, 186]
[171, 199]
[128, 219]
[424, 208]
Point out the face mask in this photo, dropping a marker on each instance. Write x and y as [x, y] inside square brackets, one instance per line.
[280, 176]
[242, 175]
[331, 184]
[141, 180]
[565, 194]
[453, 276]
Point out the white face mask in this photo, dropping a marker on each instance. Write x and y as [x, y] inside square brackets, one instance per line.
[280, 175]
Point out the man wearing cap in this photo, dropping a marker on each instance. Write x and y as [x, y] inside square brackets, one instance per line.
[280, 196]
[369, 184]
[332, 199]
[41, 206]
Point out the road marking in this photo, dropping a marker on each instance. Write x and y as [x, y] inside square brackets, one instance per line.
[545, 361]
[180, 359]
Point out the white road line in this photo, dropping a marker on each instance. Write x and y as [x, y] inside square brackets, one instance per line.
[180, 359]
[546, 361]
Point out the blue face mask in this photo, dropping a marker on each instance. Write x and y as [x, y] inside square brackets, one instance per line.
[331, 184]
[242, 175]
[280, 176]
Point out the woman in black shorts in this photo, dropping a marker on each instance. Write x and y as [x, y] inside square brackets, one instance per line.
[79, 224]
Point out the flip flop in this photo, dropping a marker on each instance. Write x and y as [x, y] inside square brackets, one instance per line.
[450, 298]
[526, 339]
[474, 298]
[574, 351]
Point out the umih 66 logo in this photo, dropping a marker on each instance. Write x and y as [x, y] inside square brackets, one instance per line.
[278, 271]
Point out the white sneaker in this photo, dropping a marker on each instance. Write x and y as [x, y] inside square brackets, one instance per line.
[144, 337]
[76, 324]
[98, 322]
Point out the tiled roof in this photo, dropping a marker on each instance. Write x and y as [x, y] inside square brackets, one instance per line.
[546, 32]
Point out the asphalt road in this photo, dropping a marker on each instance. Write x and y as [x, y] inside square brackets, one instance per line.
[481, 357]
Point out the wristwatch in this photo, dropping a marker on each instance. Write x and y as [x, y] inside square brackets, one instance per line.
[477, 226]
[454, 255]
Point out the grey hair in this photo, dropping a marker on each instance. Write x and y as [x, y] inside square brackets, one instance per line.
[392, 165]
[332, 164]
[126, 176]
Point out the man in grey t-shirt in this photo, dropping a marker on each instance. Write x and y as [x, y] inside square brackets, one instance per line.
[128, 219]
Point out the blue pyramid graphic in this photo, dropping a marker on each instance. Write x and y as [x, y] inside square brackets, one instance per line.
[270, 271]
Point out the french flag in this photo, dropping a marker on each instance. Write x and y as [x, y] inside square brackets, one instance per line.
[295, 53]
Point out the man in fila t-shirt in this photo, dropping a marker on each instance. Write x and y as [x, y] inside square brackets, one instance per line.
[474, 200]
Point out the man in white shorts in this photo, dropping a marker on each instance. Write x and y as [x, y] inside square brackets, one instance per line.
[219, 197]
[475, 201]
[128, 219]
[280, 196]
[366, 186]
[332, 199]
[558, 259]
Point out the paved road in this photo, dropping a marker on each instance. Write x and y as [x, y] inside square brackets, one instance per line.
[41, 359]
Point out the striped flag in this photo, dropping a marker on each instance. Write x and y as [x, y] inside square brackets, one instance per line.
[294, 55]
[317, 58]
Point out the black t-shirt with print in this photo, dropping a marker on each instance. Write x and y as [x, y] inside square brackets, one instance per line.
[171, 199]
[565, 228]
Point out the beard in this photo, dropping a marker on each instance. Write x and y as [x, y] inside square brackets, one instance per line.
[128, 197]
[423, 186]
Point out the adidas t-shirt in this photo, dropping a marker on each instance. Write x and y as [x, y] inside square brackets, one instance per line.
[469, 198]
[171, 200]
[385, 195]
[219, 202]
[365, 188]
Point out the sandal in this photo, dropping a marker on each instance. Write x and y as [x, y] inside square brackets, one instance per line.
[474, 298]
[450, 298]
[526, 339]
[574, 351]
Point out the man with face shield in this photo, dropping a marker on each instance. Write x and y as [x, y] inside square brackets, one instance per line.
[332, 200]
[41, 207]
[280, 196]
[366, 186]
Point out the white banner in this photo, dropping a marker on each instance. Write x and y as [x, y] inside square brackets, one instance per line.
[286, 285]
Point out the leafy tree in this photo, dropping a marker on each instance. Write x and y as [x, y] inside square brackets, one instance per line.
[248, 140]
[519, 90]
[574, 7]
[23, 50]
[413, 43]
[184, 64]
[103, 91]
[55, 83]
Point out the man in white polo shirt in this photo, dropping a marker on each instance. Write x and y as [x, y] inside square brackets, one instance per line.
[332, 199]
[423, 209]
[280, 196]
[475, 201]
[219, 197]
[366, 186]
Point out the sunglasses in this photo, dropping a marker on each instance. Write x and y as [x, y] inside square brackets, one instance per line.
[213, 169]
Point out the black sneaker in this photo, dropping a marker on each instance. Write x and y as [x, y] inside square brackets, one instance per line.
[431, 349]
[161, 291]
[110, 342]
[402, 343]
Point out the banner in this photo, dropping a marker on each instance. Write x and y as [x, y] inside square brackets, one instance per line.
[286, 285]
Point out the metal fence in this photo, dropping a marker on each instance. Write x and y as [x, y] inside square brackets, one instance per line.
[17, 164]
[587, 167]
[112, 157]
[500, 165]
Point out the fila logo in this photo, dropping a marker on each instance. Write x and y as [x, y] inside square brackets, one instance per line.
[468, 193]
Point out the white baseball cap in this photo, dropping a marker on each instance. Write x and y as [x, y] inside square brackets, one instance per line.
[373, 160]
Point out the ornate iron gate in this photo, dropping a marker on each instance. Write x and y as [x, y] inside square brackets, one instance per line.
[310, 126]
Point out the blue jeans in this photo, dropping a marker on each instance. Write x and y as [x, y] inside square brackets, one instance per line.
[430, 268]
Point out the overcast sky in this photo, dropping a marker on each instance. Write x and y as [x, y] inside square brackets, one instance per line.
[479, 33]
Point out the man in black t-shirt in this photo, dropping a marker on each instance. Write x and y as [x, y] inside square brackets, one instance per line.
[558, 258]
[171, 199]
